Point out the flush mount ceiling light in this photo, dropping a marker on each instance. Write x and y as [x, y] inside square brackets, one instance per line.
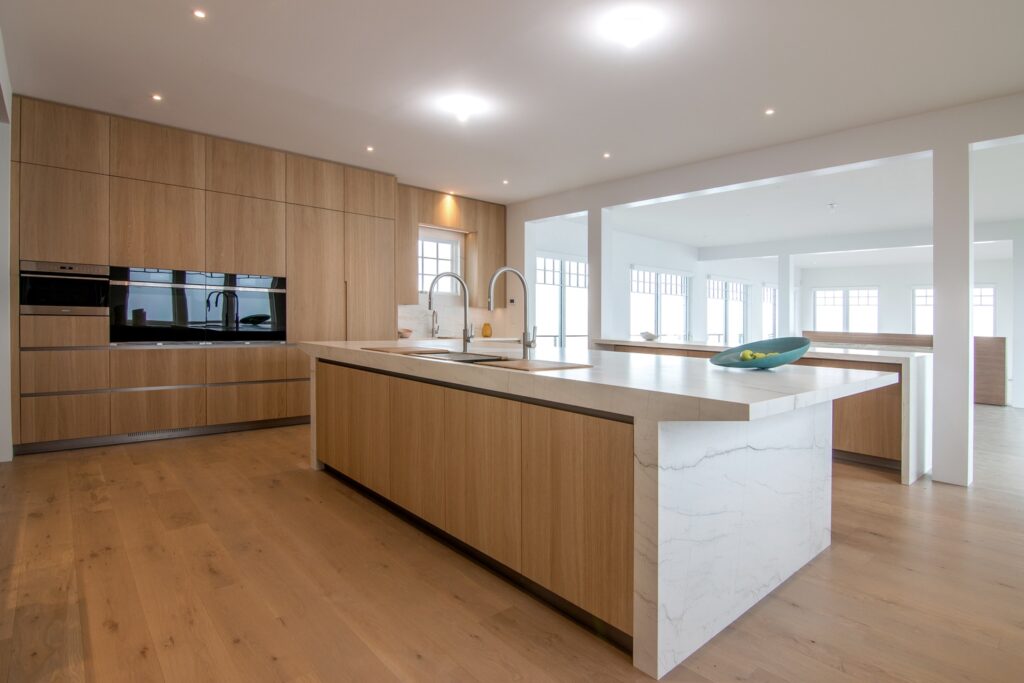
[463, 106]
[607, 155]
[630, 25]
[157, 97]
[769, 112]
[504, 182]
[199, 13]
[369, 148]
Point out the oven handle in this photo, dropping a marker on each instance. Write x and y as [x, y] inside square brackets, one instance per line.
[211, 288]
[59, 276]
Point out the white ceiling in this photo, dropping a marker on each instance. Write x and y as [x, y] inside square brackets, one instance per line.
[983, 251]
[328, 77]
[890, 194]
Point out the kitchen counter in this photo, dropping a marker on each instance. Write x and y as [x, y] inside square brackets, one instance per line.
[728, 474]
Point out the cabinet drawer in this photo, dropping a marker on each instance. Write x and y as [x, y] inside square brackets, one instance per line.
[157, 367]
[298, 363]
[64, 330]
[46, 371]
[144, 411]
[49, 418]
[246, 364]
[246, 402]
[298, 398]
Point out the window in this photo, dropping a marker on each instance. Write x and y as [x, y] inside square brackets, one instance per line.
[769, 312]
[438, 251]
[924, 307]
[846, 310]
[659, 303]
[561, 299]
[727, 312]
[984, 311]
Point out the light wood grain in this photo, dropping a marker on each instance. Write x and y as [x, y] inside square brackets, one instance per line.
[316, 274]
[244, 169]
[156, 226]
[72, 416]
[65, 215]
[16, 128]
[298, 398]
[161, 154]
[50, 371]
[418, 449]
[578, 510]
[407, 231]
[13, 287]
[145, 411]
[370, 278]
[246, 363]
[298, 363]
[369, 193]
[354, 426]
[483, 474]
[246, 402]
[315, 182]
[66, 137]
[990, 370]
[438, 209]
[64, 330]
[244, 235]
[485, 247]
[872, 338]
[161, 367]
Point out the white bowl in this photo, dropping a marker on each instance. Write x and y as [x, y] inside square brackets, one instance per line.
[649, 336]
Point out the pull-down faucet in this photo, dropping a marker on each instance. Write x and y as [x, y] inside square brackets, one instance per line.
[528, 341]
[467, 332]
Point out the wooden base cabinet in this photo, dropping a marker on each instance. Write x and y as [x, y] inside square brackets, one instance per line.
[418, 448]
[145, 411]
[72, 416]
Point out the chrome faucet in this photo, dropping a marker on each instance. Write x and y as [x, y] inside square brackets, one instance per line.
[467, 331]
[528, 341]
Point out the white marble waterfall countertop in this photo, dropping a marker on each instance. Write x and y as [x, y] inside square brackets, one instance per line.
[646, 386]
[865, 354]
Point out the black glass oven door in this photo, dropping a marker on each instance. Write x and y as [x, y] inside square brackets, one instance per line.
[245, 308]
[152, 305]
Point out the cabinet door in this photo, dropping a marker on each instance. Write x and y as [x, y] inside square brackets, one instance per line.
[72, 416]
[485, 252]
[159, 367]
[161, 154]
[66, 137]
[248, 402]
[298, 397]
[145, 411]
[314, 182]
[241, 168]
[316, 274]
[156, 226]
[483, 474]
[417, 448]
[370, 277]
[578, 510]
[353, 425]
[65, 215]
[244, 235]
[369, 193]
[54, 371]
[246, 363]
[50, 331]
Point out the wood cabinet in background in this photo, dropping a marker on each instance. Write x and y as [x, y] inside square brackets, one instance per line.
[298, 363]
[145, 411]
[316, 274]
[244, 235]
[229, 403]
[298, 398]
[369, 193]
[72, 416]
[241, 168]
[483, 473]
[49, 331]
[157, 367]
[418, 448]
[154, 225]
[73, 370]
[354, 435]
[161, 154]
[315, 182]
[485, 253]
[246, 363]
[370, 278]
[65, 137]
[65, 215]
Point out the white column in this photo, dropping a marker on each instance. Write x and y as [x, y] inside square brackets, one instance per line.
[953, 266]
[594, 237]
[787, 303]
[754, 312]
[1017, 350]
[699, 308]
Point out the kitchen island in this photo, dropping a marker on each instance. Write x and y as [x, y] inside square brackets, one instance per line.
[660, 494]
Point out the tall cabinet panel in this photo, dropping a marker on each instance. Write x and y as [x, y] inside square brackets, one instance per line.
[370, 277]
[64, 215]
[244, 235]
[67, 137]
[369, 193]
[147, 151]
[315, 182]
[418, 448]
[156, 225]
[241, 168]
[316, 274]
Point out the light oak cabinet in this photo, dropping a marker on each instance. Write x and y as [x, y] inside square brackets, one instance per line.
[485, 252]
[51, 331]
[483, 474]
[229, 403]
[155, 225]
[65, 215]
[315, 182]
[241, 168]
[370, 278]
[246, 363]
[65, 137]
[298, 363]
[578, 510]
[161, 154]
[55, 371]
[72, 416]
[316, 274]
[354, 433]
[370, 193]
[418, 448]
[298, 398]
[157, 367]
[145, 411]
[244, 235]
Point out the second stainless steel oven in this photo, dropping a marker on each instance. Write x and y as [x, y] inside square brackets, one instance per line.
[63, 289]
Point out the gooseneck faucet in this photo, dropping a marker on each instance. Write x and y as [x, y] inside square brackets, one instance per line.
[467, 332]
[528, 341]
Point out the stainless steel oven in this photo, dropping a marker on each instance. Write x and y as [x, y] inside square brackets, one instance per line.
[63, 289]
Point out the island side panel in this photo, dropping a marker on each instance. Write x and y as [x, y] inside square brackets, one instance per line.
[741, 507]
[645, 546]
[314, 462]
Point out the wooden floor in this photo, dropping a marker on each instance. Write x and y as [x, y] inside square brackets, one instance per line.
[224, 558]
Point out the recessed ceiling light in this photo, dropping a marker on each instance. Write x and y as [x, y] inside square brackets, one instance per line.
[630, 25]
[504, 182]
[607, 155]
[199, 13]
[369, 148]
[462, 105]
[157, 97]
[769, 112]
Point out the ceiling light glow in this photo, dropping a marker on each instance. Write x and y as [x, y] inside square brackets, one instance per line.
[504, 182]
[199, 13]
[369, 148]
[463, 106]
[607, 155]
[769, 112]
[630, 25]
[157, 97]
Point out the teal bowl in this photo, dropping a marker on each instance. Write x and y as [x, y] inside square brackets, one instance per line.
[788, 348]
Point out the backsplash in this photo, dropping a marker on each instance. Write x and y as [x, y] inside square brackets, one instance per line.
[449, 315]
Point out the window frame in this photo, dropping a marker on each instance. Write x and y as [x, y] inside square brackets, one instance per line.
[456, 240]
[564, 275]
[774, 289]
[846, 304]
[745, 300]
[686, 281]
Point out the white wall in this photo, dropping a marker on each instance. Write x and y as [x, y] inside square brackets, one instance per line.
[561, 236]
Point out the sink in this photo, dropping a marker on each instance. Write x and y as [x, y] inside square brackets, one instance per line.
[459, 357]
[534, 365]
[406, 350]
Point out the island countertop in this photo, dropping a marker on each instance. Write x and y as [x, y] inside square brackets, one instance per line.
[661, 388]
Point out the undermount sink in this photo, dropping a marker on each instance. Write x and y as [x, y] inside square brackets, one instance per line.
[460, 357]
